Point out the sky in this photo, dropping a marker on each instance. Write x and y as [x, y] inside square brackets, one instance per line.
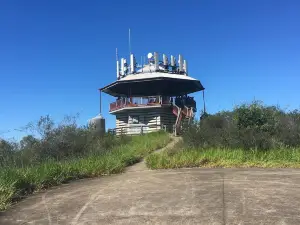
[54, 55]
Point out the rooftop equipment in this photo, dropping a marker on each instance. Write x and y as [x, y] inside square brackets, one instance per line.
[118, 70]
[165, 62]
[122, 67]
[132, 63]
[125, 67]
[180, 62]
[185, 68]
[156, 61]
[173, 61]
[173, 64]
[150, 58]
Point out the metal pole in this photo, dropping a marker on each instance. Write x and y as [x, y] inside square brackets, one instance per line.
[100, 103]
[129, 44]
[204, 108]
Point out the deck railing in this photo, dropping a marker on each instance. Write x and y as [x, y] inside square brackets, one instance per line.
[136, 130]
[139, 102]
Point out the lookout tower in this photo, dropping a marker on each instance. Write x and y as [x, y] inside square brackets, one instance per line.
[152, 96]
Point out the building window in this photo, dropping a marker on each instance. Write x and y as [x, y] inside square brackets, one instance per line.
[134, 120]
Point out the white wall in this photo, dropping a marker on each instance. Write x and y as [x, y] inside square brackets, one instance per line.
[153, 118]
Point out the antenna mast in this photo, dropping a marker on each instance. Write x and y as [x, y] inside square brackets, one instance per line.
[129, 43]
[118, 65]
[117, 58]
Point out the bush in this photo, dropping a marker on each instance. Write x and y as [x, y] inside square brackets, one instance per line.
[51, 141]
[216, 157]
[252, 126]
[66, 152]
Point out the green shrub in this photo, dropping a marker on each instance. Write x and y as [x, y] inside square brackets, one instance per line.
[221, 157]
[107, 155]
[248, 126]
[60, 141]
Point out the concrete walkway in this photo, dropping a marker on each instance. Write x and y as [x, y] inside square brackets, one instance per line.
[184, 196]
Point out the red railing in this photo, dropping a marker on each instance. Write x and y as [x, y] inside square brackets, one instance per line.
[138, 102]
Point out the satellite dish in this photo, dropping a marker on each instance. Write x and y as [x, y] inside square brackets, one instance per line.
[150, 55]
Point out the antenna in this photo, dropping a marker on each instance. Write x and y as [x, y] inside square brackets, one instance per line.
[142, 65]
[173, 62]
[129, 43]
[132, 63]
[204, 107]
[165, 61]
[122, 66]
[185, 67]
[156, 61]
[118, 65]
[180, 62]
[100, 103]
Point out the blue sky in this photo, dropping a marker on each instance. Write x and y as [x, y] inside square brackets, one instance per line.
[54, 55]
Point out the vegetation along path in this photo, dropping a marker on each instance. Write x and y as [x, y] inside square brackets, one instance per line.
[176, 196]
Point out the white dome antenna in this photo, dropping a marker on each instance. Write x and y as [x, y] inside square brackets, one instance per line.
[150, 55]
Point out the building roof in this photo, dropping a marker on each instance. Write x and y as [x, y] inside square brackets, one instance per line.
[154, 75]
[155, 83]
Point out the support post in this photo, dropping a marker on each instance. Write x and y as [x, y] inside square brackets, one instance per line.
[100, 103]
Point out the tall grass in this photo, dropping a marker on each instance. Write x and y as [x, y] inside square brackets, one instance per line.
[67, 153]
[276, 158]
[249, 135]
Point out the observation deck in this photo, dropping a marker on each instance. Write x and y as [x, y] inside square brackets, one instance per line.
[151, 102]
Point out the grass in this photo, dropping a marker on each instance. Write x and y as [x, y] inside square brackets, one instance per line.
[18, 182]
[277, 158]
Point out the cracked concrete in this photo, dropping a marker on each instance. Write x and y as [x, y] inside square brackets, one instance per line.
[182, 196]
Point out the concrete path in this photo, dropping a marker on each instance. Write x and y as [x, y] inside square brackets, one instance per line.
[183, 196]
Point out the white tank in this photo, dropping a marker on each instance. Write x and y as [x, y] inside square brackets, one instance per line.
[97, 124]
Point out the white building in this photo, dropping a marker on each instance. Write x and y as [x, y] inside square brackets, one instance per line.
[153, 97]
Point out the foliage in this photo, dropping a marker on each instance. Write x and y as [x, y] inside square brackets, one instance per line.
[252, 135]
[248, 126]
[221, 157]
[63, 152]
[56, 142]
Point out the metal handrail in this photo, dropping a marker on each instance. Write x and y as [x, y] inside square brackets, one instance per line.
[143, 130]
[139, 102]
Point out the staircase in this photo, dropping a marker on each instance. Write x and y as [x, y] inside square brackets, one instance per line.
[181, 113]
